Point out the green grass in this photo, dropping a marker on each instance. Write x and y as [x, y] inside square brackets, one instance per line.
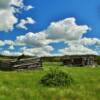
[25, 85]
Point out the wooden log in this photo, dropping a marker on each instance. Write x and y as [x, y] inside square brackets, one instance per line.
[29, 63]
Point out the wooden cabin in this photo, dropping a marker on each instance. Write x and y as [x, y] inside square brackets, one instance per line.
[79, 60]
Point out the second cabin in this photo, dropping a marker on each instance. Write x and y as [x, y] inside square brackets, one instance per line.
[79, 60]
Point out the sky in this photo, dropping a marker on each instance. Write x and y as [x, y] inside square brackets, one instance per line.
[49, 27]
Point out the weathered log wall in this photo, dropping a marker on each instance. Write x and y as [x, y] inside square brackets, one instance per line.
[79, 60]
[29, 63]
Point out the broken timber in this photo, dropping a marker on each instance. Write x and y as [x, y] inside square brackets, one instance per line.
[22, 64]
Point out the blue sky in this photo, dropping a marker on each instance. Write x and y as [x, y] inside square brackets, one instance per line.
[44, 12]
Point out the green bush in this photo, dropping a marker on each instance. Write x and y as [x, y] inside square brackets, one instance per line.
[56, 77]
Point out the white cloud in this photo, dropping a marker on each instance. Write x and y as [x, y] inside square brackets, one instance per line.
[9, 42]
[40, 51]
[33, 39]
[77, 50]
[66, 29]
[90, 41]
[24, 22]
[7, 20]
[9, 53]
[7, 17]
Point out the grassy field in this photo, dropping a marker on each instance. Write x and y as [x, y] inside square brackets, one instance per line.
[25, 85]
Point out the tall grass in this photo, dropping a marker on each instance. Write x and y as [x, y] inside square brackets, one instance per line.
[25, 85]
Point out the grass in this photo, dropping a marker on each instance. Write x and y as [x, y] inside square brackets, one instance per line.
[25, 85]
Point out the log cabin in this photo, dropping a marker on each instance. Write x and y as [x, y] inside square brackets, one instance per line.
[79, 60]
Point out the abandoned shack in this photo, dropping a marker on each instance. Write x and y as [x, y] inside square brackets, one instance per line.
[79, 60]
[21, 64]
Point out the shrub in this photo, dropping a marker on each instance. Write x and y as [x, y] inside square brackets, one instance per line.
[56, 77]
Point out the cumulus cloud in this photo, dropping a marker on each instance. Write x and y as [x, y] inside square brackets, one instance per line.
[90, 41]
[7, 20]
[9, 42]
[24, 22]
[33, 39]
[7, 17]
[77, 50]
[40, 51]
[71, 33]
[66, 29]
[9, 53]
